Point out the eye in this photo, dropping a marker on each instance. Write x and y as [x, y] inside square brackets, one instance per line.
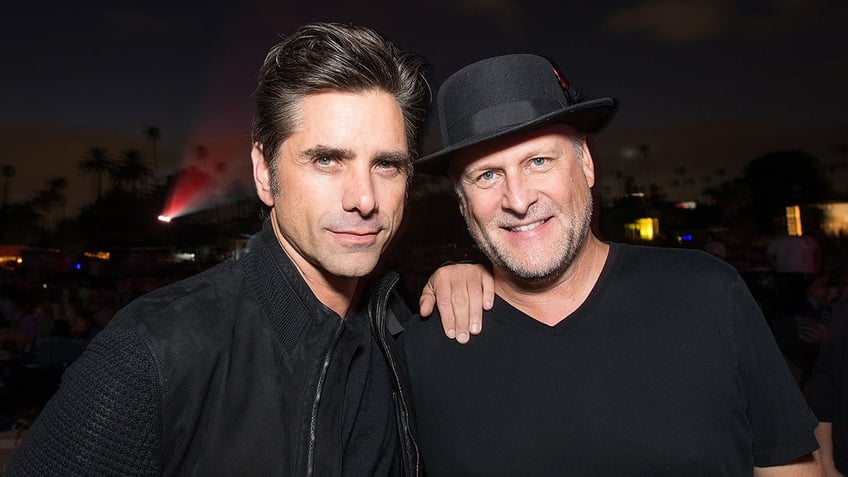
[390, 167]
[387, 165]
[486, 176]
[324, 161]
[539, 161]
[486, 179]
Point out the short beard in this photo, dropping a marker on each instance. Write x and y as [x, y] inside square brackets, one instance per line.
[568, 249]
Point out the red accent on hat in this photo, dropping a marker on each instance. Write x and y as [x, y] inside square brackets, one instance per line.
[561, 81]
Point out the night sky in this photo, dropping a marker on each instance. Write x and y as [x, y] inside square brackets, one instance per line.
[707, 85]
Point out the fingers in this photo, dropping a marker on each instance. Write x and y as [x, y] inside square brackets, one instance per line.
[460, 292]
[488, 281]
[427, 300]
[483, 298]
[453, 300]
[458, 304]
[438, 289]
[476, 301]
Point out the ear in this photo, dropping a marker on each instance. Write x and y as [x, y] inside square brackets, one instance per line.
[261, 175]
[463, 205]
[588, 165]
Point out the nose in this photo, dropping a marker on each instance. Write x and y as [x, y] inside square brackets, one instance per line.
[359, 195]
[519, 194]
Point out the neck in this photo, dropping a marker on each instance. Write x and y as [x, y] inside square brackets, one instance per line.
[335, 292]
[554, 301]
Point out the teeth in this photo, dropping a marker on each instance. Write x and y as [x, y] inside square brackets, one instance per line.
[525, 228]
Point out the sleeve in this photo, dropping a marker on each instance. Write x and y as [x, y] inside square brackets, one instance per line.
[103, 420]
[821, 390]
[782, 423]
[825, 395]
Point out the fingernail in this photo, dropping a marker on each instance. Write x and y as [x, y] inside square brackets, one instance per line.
[475, 328]
[451, 334]
[462, 338]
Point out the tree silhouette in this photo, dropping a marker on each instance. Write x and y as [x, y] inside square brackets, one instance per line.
[732, 201]
[47, 199]
[781, 178]
[154, 135]
[97, 162]
[56, 188]
[131, 172]
[9, 172]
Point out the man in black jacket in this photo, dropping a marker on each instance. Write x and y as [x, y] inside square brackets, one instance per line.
[281, 362]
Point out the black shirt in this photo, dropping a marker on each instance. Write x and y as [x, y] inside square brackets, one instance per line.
[369, 431]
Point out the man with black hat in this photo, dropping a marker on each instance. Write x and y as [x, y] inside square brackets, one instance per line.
[597, 358]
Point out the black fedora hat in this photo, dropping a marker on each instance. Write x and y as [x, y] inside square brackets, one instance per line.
[503, 95]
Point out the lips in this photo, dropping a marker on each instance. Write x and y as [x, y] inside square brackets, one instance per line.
[526, 227]
[356, 232]
[356, 238]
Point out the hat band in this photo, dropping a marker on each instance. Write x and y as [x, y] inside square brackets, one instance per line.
[501, 116]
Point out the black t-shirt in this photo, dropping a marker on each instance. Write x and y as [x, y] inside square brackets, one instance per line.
[668, 368]
[828, 394]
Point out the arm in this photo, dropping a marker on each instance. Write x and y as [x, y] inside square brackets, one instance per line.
[807, 466]
[102, 420]
[461, 292]
[825, 438]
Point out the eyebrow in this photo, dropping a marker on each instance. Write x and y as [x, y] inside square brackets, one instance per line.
[395, 156]
[344, 153]
[321, 150]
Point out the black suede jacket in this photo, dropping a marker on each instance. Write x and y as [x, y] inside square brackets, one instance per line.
[248, 370]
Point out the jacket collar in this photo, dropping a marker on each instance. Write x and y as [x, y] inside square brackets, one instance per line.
[281, 291]
[285, 297]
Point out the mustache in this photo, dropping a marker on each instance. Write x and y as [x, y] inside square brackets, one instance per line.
[534, 214]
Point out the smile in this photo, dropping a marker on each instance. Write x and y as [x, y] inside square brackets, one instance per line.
[527, 227]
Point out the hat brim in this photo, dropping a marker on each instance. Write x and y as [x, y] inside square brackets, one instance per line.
[588, 117]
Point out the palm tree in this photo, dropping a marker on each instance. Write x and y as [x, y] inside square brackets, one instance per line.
[97, 161]
[154, 135]
[56, 188]
[131, 171]
[9, 172]
[51, 196]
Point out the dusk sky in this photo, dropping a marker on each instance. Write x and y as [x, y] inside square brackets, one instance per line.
[705, 84]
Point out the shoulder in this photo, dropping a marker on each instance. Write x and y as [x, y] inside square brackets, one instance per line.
[196, 315]
[422, 335]
[418, 326]
[198, 295]
[672, 262]
[105, 410]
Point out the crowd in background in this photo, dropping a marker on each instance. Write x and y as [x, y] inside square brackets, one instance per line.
[46, 323]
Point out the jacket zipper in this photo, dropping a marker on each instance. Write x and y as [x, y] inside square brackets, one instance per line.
[313, 419]
[381, 327]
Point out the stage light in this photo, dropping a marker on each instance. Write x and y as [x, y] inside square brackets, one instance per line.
[165, 218]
